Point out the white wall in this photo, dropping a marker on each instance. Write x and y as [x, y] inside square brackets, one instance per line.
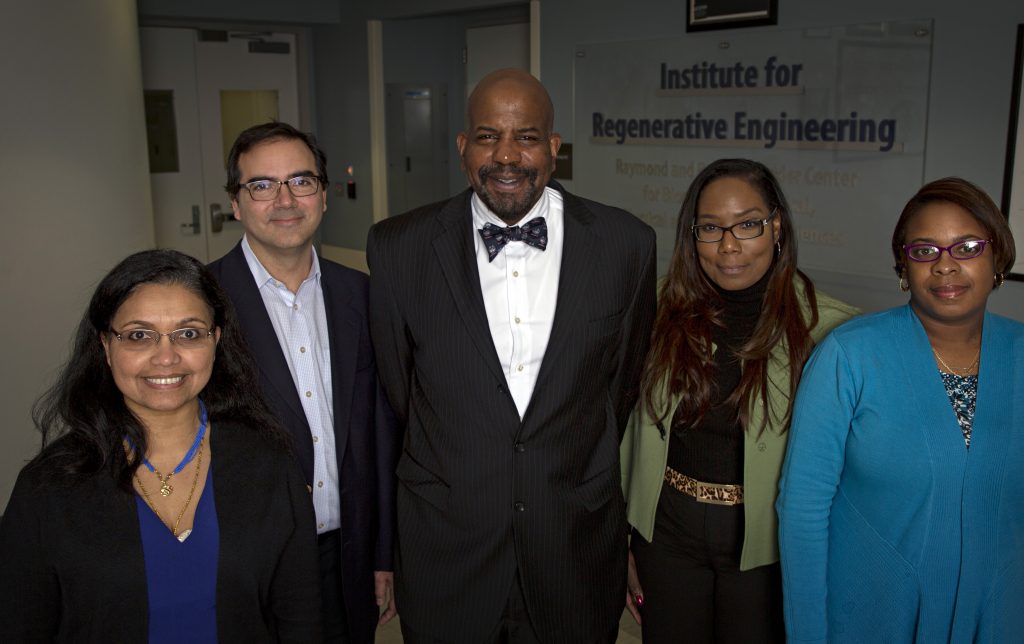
[972, 65]
[969, 102]
[75, 187]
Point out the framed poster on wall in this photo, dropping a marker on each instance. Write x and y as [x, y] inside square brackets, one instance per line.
[1013, 182]
[704, 15]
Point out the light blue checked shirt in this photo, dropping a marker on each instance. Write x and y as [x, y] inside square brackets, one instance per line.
[300, 322]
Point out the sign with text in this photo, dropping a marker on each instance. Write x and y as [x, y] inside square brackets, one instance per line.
[838, 114]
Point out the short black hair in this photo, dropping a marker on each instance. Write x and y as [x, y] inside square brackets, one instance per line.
[971, 198]
[262, 133]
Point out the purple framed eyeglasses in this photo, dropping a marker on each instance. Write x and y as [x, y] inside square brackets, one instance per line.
[967, 249]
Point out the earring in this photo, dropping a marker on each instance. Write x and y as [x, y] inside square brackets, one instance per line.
[997, 280]
[778, 248]
[904, 284]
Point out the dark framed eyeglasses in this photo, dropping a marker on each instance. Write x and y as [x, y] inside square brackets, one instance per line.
[968, 249]
[142, 339]
[749, 229]
[268, 189]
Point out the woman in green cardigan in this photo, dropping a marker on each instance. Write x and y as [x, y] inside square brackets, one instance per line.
[702, 453]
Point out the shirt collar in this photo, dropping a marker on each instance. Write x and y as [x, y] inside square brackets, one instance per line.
[263, 276]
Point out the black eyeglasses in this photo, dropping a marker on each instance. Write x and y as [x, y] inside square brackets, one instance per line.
[268, 189]
[749, 229]
[968, 249]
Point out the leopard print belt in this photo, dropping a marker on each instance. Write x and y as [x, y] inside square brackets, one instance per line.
[715, 493]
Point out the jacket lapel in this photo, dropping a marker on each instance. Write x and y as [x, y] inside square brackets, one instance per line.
[579, 242]
[343, 338]
[454, 249]
[258, 330]
[932, 413]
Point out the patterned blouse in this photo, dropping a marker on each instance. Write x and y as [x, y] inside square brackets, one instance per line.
[962, 392]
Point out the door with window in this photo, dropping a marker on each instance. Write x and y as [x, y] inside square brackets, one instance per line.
[202, 88]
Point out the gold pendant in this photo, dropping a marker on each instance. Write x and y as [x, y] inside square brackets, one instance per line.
[166, 489]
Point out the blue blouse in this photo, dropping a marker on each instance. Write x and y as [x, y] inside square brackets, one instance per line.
[182, 577]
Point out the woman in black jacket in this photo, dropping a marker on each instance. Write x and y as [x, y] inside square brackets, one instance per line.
[164, 505]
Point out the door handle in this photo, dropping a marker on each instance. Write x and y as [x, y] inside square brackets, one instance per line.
[218, 217]
[192, 228]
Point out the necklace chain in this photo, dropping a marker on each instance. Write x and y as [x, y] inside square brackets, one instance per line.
[188, 501]
[197, 438]
[165, 482]
[964, 371]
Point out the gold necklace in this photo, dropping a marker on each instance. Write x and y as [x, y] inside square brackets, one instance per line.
[165, 481]
[165, 485]
[963, 372]
[195, 480]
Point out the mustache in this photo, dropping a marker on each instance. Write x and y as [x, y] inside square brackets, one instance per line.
[506, 172]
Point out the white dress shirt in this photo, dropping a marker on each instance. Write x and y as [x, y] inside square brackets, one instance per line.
[300, 322]
[520, 290]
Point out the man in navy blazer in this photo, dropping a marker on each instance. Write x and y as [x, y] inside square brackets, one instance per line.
[511, 323]
[305, 319]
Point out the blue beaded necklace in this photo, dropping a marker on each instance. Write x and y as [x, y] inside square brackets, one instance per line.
[165, 485]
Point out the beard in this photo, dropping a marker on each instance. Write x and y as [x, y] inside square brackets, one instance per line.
[509, 207]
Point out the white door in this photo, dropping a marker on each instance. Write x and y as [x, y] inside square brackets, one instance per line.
[417, 144]
[201, 91]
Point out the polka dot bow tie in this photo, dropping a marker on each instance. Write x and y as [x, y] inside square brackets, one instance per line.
[533, 233]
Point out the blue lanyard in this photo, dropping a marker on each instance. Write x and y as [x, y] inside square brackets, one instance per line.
[191, 453]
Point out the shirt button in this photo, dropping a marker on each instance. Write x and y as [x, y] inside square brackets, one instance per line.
[316, 439]
[515, 273]
[519, 506]
[519, 368]
[320, 526]
[295, 306]
[319, 483]
[761, 447]
[302, 349]
[309, 394]
[517, 320]
[519, 447]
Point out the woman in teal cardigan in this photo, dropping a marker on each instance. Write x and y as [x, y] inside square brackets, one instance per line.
[702, 453]
[901, 506]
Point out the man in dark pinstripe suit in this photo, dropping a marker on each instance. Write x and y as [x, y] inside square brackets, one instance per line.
[510, 325]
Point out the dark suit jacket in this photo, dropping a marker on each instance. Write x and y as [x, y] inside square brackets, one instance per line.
[364, 434]
[482, 494]
[72, 568]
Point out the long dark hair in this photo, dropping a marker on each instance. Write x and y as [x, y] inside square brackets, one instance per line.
[680, 362]
[83, 417]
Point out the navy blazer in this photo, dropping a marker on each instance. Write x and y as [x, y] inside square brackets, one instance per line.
[364, 430]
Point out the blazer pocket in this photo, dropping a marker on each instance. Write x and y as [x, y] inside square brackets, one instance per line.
[604, 326]
[422, 482]
[599, 489]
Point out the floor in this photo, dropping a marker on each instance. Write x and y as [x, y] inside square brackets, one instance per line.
[629, 632]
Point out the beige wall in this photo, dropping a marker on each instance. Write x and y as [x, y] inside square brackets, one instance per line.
[74, 187]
